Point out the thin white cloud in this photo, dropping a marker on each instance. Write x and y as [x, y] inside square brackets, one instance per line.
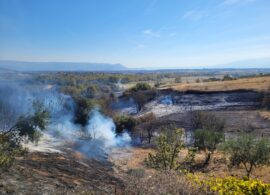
[150, 33]
[193, 15]
[233, 2]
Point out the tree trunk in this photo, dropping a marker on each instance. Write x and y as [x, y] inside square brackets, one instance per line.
[207, 159]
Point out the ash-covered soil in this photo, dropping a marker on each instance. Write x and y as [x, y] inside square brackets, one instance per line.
[235, 121]
[55, 173]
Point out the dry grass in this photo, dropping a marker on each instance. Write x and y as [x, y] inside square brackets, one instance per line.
[257, 84]
[218, 166]
[265, 115]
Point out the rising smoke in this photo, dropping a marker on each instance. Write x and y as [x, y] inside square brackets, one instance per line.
[95, 140]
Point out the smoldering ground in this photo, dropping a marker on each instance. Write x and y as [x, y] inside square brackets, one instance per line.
[95, 140]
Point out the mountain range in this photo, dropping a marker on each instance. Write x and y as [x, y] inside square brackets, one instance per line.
[59, 66]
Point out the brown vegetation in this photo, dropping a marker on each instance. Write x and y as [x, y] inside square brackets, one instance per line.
[257, 84]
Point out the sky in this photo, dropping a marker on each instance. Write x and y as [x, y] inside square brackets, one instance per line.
[135, 33]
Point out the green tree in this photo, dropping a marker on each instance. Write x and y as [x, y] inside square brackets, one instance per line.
[249, 151]
[28, 126]
[124, 123]
[82, 110]
[207, 141]
[168, 147]
[209, 132]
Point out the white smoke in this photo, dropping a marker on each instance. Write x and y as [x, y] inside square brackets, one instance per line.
[95, 140]
[103, 128]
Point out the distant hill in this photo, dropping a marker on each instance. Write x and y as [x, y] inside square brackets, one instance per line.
[59, 66]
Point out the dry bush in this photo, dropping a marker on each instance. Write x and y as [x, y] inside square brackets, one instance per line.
[166, 182]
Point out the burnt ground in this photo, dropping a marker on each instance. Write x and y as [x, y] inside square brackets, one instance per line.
[235, 121]
[54, 173]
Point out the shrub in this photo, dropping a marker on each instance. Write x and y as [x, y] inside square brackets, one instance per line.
[231, 185]
[168, 147]
[249, 151]
[140, 87]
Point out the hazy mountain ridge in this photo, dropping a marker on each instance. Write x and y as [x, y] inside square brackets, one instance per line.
[59, 66]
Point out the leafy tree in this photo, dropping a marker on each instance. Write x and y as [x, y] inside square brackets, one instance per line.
[208, 133]
[249, 151]
[83, 109]
[142, 97]
[168, 147]
[124, 123]
[28, 126]
[207, 141]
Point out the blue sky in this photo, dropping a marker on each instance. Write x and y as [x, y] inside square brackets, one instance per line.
[136, 33]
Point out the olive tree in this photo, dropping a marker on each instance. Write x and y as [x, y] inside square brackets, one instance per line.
[168, 147]
[209, 132]
[249, 151]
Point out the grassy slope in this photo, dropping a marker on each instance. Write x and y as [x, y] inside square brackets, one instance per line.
[258, 84]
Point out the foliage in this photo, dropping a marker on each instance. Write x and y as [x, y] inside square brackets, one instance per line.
[231, 185]
[189, 161]
[142, 97]
[140, 87]
[249, 151]
[7, 152]
[27, 126]
[207, 141]
[208, 134]
[123, 123]
[83, 109]
[168, 147]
